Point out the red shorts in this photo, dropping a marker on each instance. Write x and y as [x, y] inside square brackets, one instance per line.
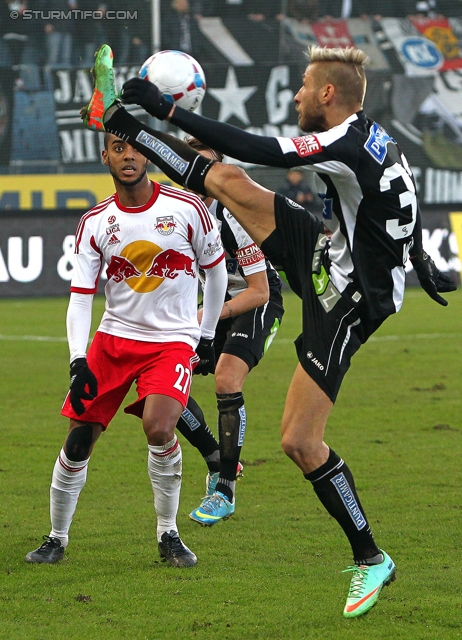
[158, 368]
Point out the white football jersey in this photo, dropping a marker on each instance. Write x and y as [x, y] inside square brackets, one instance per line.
[153, 254]
[243, 257]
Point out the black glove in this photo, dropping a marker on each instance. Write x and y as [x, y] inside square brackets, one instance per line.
[147, 95]
[80, 377]
[431, 279]
[206, 353]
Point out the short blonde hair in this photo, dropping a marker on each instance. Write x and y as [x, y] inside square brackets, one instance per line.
[344, 69]
[336, 54]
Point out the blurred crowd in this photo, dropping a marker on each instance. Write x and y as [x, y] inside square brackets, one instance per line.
[31, 32]
[324, 9]
[30, 35]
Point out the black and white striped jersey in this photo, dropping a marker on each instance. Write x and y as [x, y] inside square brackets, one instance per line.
[370, 206]
[243, 256]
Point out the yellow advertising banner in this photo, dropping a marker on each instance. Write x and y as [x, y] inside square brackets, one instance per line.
[455, 218]
[59, 191]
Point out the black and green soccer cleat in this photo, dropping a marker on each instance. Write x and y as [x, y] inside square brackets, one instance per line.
[104, 93]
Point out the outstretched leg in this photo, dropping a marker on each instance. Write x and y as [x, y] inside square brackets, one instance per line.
[251, 204]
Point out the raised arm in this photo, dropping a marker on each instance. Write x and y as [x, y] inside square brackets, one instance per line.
[230, 140]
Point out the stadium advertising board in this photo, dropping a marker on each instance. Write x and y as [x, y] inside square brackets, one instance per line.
[84, 190]
[62, 191]
[37, 249]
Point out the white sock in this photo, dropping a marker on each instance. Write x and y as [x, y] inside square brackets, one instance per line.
[164, 469]
[67, 482]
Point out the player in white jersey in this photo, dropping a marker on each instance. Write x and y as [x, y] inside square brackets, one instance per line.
[249, 320]
[153, 239]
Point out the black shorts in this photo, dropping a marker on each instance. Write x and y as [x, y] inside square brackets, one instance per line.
[333, 329]
[249, 335]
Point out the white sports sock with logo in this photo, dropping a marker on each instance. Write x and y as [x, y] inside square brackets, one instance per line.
[67, 482]
[164, 469]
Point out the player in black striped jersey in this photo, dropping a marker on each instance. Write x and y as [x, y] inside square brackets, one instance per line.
[348, 269]
[251, 315]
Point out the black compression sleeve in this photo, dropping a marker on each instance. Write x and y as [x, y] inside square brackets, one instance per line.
[417, 247]
[230, 140]
[175, 158]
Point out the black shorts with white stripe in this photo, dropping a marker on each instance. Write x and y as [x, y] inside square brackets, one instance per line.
[248, 335]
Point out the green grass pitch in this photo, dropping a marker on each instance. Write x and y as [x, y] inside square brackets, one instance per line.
[274, 570]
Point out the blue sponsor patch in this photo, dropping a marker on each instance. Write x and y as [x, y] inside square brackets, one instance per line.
[348, 499]
[327, 208]
[231, 266]
[376, 144]
[192, 422]
[242, 425]
[163, 151]
[422, 53]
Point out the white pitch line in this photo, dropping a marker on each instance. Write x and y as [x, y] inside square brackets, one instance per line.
[417, 336]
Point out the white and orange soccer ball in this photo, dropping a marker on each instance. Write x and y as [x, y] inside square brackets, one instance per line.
[178, 75]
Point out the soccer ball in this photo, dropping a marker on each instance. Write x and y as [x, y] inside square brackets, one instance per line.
[178, 75]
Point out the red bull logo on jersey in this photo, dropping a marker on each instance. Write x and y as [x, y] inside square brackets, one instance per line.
[144, 266]
[165, 225]
[121, 269]
[169, 263]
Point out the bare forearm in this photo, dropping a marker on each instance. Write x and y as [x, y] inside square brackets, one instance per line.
[245, 301]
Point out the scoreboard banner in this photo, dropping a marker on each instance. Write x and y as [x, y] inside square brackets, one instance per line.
[37, 249]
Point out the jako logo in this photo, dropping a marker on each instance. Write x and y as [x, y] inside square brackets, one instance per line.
[315, 361]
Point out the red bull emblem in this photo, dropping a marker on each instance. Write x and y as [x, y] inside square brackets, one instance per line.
[120, 269]
[169, 263]
[165, 225]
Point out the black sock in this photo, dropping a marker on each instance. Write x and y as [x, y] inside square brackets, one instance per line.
[175, 158]
[335, 487]
[193, 427]
[231, 430]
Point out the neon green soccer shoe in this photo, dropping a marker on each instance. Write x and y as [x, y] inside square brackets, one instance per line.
[366, 584]
[104, 93]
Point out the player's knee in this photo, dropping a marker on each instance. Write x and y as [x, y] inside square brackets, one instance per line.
[225, 381]
[159, 432]
[79, 443]
[289, 446]
[295, 447]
